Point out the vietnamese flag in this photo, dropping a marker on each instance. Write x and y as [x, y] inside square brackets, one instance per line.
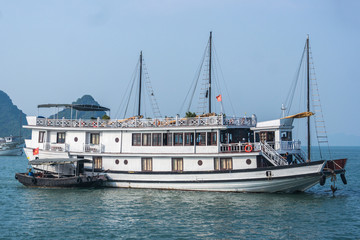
[35, 151]
[218, 98]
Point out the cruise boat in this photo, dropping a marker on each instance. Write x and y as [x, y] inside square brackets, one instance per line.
[207, 152]
[10, 147]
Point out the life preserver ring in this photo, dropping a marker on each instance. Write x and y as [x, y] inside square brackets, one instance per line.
[248, 148]
[94, 124]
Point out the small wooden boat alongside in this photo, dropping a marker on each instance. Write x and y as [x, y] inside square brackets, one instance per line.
[44, 178]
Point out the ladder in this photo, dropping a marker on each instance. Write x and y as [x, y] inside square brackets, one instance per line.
[271, 155]
[154, 105]
[321, 133]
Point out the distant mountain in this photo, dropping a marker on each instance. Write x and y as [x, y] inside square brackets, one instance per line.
[11, 118]
[86, 100]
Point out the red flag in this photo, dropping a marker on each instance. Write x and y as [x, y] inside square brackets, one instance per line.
[218, 98]
[35, 151]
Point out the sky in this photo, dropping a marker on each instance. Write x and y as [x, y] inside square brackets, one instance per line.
[55, 51]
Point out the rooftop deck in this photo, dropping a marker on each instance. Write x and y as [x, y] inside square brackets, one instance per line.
[135, 122]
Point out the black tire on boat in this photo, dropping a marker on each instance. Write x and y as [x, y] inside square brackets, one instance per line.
[343, 178]
[322, 180]
[79, 180]
[100, 182]
[88, 178]
[16, 177]
[34, 180]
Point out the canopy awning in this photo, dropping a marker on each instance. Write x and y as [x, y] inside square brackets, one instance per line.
[300, 115]
[79, 107]
[53, 161]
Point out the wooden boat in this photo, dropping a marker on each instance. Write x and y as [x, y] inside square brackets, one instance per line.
[50, 180]
[62, 179]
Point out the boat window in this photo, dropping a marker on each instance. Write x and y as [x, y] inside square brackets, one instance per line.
[60, 138]
[189, 139]
[177, 164]
[167, 139]
[286, 136]
[201, 138]
[257, 137]
[156, 139]
[146, 139]
[178, 139]
[41, 136]
[136, 139]
[97, 162]
[212, 140]
[146, 164]
[267, 136]
[222, 164]
[95, 138]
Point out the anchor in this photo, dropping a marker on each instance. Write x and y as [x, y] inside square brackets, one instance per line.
[333, 188]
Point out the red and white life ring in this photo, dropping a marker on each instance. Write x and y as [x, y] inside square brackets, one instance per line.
[248, 148]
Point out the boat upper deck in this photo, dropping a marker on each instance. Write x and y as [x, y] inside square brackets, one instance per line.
[136, 122]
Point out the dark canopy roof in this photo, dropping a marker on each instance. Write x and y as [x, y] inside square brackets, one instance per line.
[51, 161]
[79, 107]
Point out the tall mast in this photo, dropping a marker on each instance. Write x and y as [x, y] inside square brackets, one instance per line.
[308, 97]
[210, 72]
[140, 83]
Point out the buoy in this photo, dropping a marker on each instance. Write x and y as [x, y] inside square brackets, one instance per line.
[248, 148]
[343, 178]
[322, 180]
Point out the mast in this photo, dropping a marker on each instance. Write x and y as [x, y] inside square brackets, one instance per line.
[140, 83]
[210, 72]
[308, 97]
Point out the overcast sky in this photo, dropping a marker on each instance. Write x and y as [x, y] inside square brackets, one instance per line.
[55, 51]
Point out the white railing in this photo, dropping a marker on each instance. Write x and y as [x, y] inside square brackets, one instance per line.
[273, 156]
[94, 148]
[60, 147]
[239, 147]
[139, 122]
[287, 145]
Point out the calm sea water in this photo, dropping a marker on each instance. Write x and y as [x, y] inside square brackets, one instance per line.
[30, 213]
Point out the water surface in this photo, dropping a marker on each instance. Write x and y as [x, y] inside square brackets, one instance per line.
[28, 213]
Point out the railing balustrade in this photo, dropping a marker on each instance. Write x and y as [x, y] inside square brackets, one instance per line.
[94, 148]
[143, 123]
[239, 147]
[61, 147]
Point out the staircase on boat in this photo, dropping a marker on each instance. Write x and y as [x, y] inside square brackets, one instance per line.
[271, 155]
[300, 157]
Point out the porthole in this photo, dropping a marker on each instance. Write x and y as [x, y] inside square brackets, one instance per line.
[125, 162]
[117, 161]
[248, 161]
[200, 162]
[116, 140]
[76, 139]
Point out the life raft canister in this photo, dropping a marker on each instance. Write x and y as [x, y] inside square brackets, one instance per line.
[248, 148]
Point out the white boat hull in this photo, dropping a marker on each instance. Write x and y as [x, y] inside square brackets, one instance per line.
[268, 180]
[11, 152]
